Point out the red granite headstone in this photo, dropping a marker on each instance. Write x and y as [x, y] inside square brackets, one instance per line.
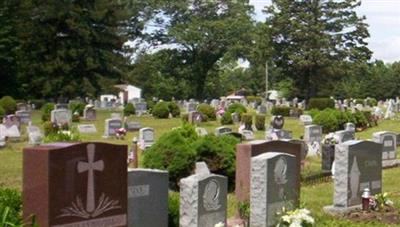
[244, 153]
[76, 184]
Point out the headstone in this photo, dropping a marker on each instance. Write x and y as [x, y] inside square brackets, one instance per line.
[24, 116]
[146, 138]
[61, 116]
[60, 106]
[141, 108]
[350, 127]
[201, 131]
[222, 130]
[195, 117]
[277, 122]
[11, 120]
[34, 135]
[13, 133]
[110, 126]
[389, 140]
[327, 157]
[235, 117]
[274, 181]
[87, 128]
[203, 200]
[278, 134]
[190, 107]
[133, 126]
[244, 153]
[344, 135]
[358, 165]
[147, 198]
[313, 137]
[22, 107]
[76, 184]
[89, 113]
[247, 135]
[261, 109]
[306, 119]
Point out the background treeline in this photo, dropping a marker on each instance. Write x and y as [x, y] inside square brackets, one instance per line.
[185, 49]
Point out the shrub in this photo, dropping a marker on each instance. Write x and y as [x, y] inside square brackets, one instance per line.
[129, 109]
[9, 104]
[280, 110]
[359, 101]
[296, 111]
[172, 152]
[327, 120]
[372, 102]
[2, 112]
[46, 111]
[207, 111]
[226, 119]
[219, 154]
[247, 120]
[260, 122]
[173, 209]
[174, 109]
[10, 199]
[185, 117]
[77, 107]
[256, 99]
[321, 103]
[49, 128]
[360, 120]
[237, 107]
[38, 103]
[150, 105]
[161, 110]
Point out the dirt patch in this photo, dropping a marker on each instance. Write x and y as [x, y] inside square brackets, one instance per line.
[388, 215]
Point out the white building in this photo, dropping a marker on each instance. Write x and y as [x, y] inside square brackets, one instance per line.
[128, 92]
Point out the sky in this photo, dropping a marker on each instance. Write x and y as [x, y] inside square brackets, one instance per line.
[383, 17]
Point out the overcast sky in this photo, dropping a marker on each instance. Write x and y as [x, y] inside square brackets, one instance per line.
[383, 17]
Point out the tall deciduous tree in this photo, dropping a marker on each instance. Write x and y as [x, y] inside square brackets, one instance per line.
[310, 37]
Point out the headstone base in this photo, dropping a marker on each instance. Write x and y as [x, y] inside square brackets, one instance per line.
[390, 163]
[340, 211]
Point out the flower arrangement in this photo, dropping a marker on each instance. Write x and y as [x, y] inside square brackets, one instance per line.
[120, 133]
[62, 136]
[330, 139]
[380, 201]
[295, 218]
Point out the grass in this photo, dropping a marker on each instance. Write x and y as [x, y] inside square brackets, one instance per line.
[312, 197]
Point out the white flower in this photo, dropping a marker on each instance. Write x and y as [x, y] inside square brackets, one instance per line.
[220, 224]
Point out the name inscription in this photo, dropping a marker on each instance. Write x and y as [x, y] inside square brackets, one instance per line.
[138, 191]
[112, 221]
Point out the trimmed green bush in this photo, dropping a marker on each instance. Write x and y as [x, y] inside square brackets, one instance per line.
[11, 200]
[247, 119]
[150, 105]
[129, 109]
[260, 122]
[328, 120]
[256, 99]
[9, 104]
[77, 107]
[321, 103]
[172, 152]
[360, 120]
[174, 109]
[207, 111]
[372, 102]
[226, 119]
[161, 110]
[219, 154]
[46, 111]
[173, 209]
[237, 107]
[2, 112]
[280, 110]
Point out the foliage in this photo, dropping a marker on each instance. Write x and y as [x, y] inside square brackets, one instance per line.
[9, 104]
[172, 152]
[379, 201]
[256, 99]
[129, 109]
[77, 106]
[38, 103]
[237, 108]
[219, 154]
[333, 120]
[244, 209]
[173, 209]
[260, 122]
[321, 103]
[2, 112]
[10, 207]
[360, 119]
[226, 119]
[298, 217]
[46, 111]
[371, 102]
[62, 136]
[174, 109]
[185, 117]
[161, 110]
[75, 117]
[247, 119]
[208, 111]
[49, 128]
[280, 110]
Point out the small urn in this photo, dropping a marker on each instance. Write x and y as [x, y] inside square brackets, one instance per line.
[365, 199]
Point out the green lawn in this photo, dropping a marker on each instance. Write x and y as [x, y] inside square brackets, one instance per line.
[312, 197]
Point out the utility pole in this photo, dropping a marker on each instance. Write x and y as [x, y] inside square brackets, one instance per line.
[266, 79]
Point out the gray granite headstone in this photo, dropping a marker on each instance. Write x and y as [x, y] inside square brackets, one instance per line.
[222, 130]
[34, 135]
[141, 107]
[235, 117]
[191, 106]
[358, 165]
[61, 116]
[87, 128]
[248, 135]
[313, 137]
[146, 137]
[24, 116]
[147, 198]
[261, 109]
[344, 135]
[89, 113]
[195, 117]
[278, 134]
[60, 106]
[133, 126]
[327, 157]
[389, 140]
[306, 119]
[350, 127]
[201, 131]
[203, 200]
[273, 186]
[110, 126]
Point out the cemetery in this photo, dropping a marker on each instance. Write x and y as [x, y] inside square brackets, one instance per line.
[255, 176]
[199, 113]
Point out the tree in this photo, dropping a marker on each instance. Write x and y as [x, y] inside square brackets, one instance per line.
[73, 48]
[312, 37]
[202, 33]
